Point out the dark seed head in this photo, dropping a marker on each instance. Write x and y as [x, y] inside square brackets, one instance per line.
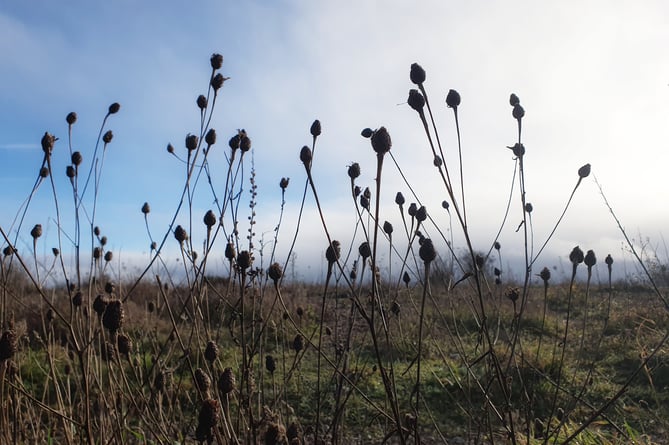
[180, 234]
[354, 170]
[275, 272]
[77, 158]
[210, 137]
[201, 102]
[71, 118]
[608, 260]
[146, 208]
[124, 344]
[210, 219]
[48, 141]
[226, 382]
[315, 129]
[191, 142]
[421, 214]
[584, 171]
[284, 183]
[416, 100]
[112, 318]
[44, 172]
[365, 250]
[97, 253]
[333, 252]
[108, 256]
[305, 156]
[8, 345]
[512, 294]
[381, 142]
[230, 251]
[453, 99]
[417, 74]
[590, 259]
[529, 207]
[216, 61]
[518, 111]
[70, 172]
[406, 278]
[36, 231]
[518, 149]
[427, 252]
[445, 204]
[413, 208]
[513, 100]
[217, 82]
[107, 137]
[244, 260]
[270, 364]
[388, 228]
[113, 108]
[245, 143]
[77, 299]
[211, 351]
[367, 133]
[576, 256]
[545, 275]
[298, 343]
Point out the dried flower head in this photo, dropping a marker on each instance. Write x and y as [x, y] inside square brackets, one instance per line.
[413, 208]
[518, 112]
[381, 142]
[275, 434]
[427, 252]
[315, 129]
[518, 149]
[217, 82]
[107, 137]
[513, 100]
[367, 133]
[146, 208]
[416, 100]
[406, 278]
[216, 61]
[230, 253]
[453, 99]
[108, 256]
[201, 102]
[234, 141]
[395, 308]
[210, 219]
[226, 382]
[124, 344]
[112, 318]
[270, 364]
[529, 207]
[210, 137]
[284, 183]
[44, 172]
[399, 199]
[388, 228]
[497, 245]
[298, 343]
[545, 275]
[100, 304]
[71, 118]
[180, 234]
[421, 214]
[576, 256]
[202, 380]
[365, 250]
[512, 294]
[113, 108]
[333, 252]
[584, 171]
[76, 158]
[48, 141]
[8, 345]
[245, 143]
[590, 259]
[354, 170]
[77, 299]
[244, 260]
[275, 272]
[36, 231]
[211, 351]
[191, 142]
[608, 260]
[206, 420]
[417, 74]
[306, 156]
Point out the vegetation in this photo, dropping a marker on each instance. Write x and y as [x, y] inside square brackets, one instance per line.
[443, 349]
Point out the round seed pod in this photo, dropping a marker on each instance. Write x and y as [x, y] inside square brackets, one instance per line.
[36, 231]
[77, 299]
[209, 413]
[230, 251]
[381, 142]
[146, 208]
[417, 74]
[284, 183]
[170, 148]
[388, 228]
[545, 275]
[270, 364]
[512, 294]
[97, 253]
[244, 260]
[70, 172]
[44, 172]
[518, 112]
[124, 344]
[518, 150]
[191, 142]
[226, 382]
[112, 318]
[275, 272]
[210, 137]
[421, 214]
[202, 380]
[108, 256]
[110, 287]
[48, 141]
[210, 219]
[437, 161]
[399, 199]
[497, 245]
[590, 259]
[365, 250]
[216, 61]
[71, 118]
[576, 256]
[513, 100]
[245, 143]
[96, 231]
[413, 208]
[113, 108]
[453, 99]
[406, 278]
[77, 158]
[333, 252]
[608, 260]
[298, 343]
[100, 304]
[217, 82]
[180, 234]
[306, 156]
[315, 129]
[427, 252]
[201, 102]
[234, 141]
[529, 207]
[107, 137]
[8, 345]
[211, 351]
[416, 100]
[367, 133]
[445, 204]
[584, 171]
[354, 170]
[8, 250]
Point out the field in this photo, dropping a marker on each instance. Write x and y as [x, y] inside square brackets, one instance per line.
[431, 347]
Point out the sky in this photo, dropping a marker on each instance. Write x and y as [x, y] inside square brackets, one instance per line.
[590, 75]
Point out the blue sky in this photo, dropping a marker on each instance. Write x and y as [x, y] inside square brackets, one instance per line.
[591, 75]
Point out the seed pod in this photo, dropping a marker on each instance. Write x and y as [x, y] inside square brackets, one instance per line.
[421, 214]
[545, 275]
[284, 183]
[77, 158]
[529, 207]
[97, 253]
[333, 252]
[210, 219]
[445, 204]
[100, 304]
[180, 234]
[217, 82]
[36, 231]
[112, 318]
[211, 351]
[406, 278]
[417, 74]
[518, 112]
[354, 170]
[413, 208]
[70, 172]
[207, 419]
[244, 260]
[416, 100]
[107, 137]
[77, 299]
[234, 141]
[201, 102]
[108, 256]
[365, 250]
[146, 208]
[210, 137]
[590, 259]
[453, 99]
[245, 143]
[216, 61]
[230, 252]
[71, 118]
[191, 142]
[8, 345]
[437, 161]
[226, 382]
[608, 260]
[399, 199]
[497, 272]
[275, 272]
[124, 344]
[306, 156]
[367, 133]
[298, 343]
[270, 364]
[512, 294]
[427, 252]
[518, 150]
[48, 141]
[315, 129]
[8, 250]
[513, 100]
[497, 245]
[113, 108]
[584, 171]
[576, 256]
[388, 228]
[202, 380]
[381, 142]
[44, 172]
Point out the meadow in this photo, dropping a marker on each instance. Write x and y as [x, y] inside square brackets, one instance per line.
[430, 345]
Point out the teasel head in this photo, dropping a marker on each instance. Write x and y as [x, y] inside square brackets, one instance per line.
[71, 118]
[421, 214]
[388, 228]
[201, 102]
[77, 299]
[180, 234]
[230, 253]
[113, 108]
[112, 318]
[518, 111]
[416, 100]
[44, 172]
[217, 82]
[210, 219]
[244, 260]
[512, 294]
[124, 344]
[453, 99]
[518, 150]
[107, 137]
[77, 158]
[100, 304]
[8, 344]
[427, 252]
[306, 157]
[97, 253]
[413, 208]
[381, 142]
[367, 133]
[399, 199]
[207, 419]
[270, 364]
[191, 142]
[333, 252]
[354, 171]
[110, 287]
[417, 74]
[365, 250]
[226, 381]
[48, 141]
[315, 129]
[210, 137]
[406, 278]
[545, 275]
[284, 183]
[514, 100]
[275, 434]
[108, 256]
[244, 142]
[211, 351]
[275, 272]
[216, 61]
[146, 208]
[609, 261]
[298, 343]
[36, 231]
[584, 171]
[576, 256]
[202, 381]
